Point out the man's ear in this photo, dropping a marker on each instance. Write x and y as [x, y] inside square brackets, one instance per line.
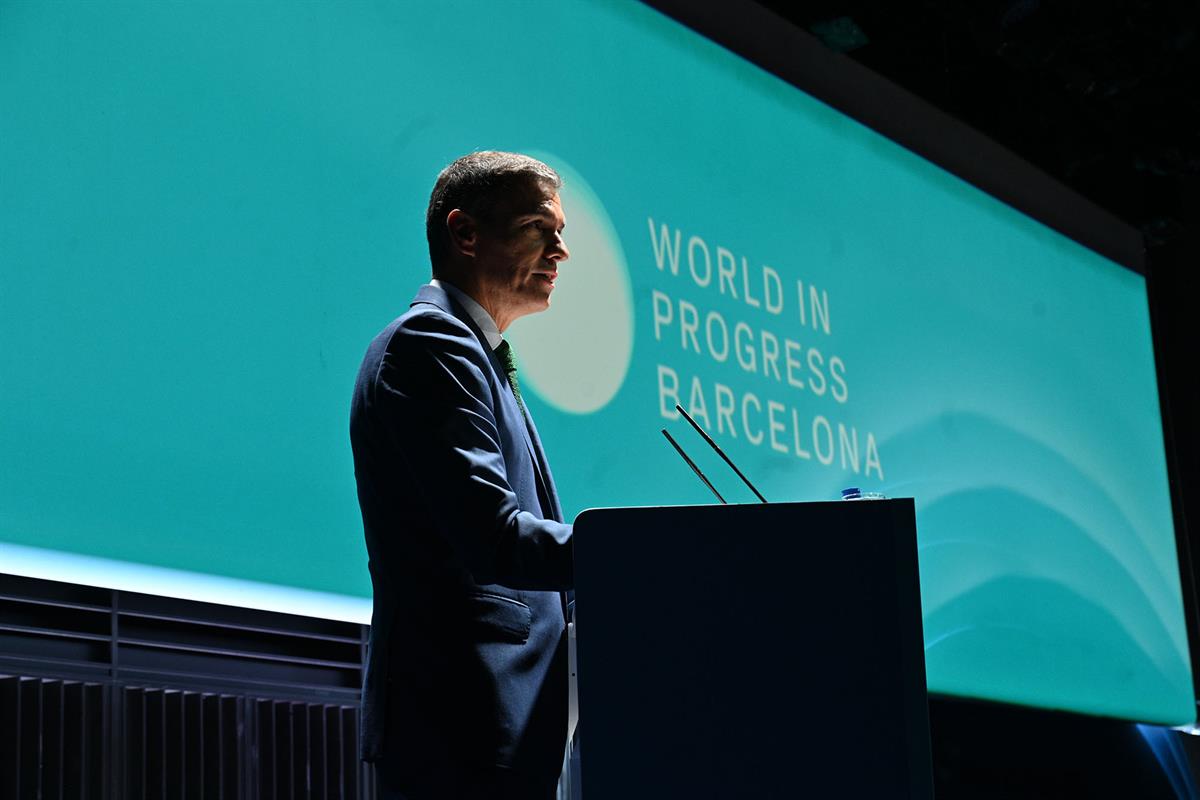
[463, 231]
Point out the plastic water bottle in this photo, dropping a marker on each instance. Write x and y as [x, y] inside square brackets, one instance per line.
[855, 493]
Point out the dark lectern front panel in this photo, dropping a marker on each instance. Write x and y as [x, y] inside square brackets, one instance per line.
[754, 651]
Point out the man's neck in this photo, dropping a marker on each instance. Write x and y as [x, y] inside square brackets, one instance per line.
[466, 282]
[482, 318]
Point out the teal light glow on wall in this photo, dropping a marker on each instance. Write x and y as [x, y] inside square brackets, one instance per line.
[207, 211]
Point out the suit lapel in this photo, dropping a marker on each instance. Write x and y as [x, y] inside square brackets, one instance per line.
[543, 468]
[438, 297]
[531, 445]
[553, 509]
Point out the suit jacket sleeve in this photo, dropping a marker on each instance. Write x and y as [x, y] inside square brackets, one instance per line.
[436, 404]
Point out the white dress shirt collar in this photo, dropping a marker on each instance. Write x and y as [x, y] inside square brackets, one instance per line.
[479, 315]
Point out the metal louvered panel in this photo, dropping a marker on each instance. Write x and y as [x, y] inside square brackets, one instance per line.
[213, 772]
[86, 719]
[183, 744]
[173, 744]
[307, 750]
[53, 738]
[193, 744]
[107, 695]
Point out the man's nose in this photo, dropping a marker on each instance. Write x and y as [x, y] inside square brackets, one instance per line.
[558, 249]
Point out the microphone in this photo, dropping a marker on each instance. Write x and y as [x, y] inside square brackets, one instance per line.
[692, 464]
[720, 452]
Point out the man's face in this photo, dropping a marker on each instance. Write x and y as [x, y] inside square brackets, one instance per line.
[517, 254]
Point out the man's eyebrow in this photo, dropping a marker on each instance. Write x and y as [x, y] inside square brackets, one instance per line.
[541, 214]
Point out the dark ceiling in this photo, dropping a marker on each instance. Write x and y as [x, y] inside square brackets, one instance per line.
[1102, 95]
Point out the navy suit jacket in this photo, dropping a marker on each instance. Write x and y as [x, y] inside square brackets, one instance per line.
[469, 557]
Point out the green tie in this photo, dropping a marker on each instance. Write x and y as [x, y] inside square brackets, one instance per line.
[505, 352]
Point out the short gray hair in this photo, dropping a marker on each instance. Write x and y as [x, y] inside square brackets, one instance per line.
[475, 183]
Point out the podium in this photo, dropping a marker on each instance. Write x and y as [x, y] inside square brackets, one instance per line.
[751, 651]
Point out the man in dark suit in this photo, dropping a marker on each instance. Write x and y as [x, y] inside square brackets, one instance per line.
[465, 693]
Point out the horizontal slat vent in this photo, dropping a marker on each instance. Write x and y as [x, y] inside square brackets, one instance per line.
[58, 629]
[151, 639]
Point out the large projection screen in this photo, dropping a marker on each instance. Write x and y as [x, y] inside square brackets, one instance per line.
[208, 209]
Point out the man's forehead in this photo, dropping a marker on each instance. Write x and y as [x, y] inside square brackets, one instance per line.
[533, 198]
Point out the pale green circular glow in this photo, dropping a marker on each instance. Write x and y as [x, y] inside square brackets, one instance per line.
[575, 355]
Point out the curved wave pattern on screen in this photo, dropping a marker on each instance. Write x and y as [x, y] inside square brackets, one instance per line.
[1043, 585]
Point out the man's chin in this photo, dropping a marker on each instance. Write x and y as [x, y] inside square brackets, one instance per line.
[536, 306]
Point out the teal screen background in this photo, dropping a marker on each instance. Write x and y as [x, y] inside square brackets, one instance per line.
[207, 210]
